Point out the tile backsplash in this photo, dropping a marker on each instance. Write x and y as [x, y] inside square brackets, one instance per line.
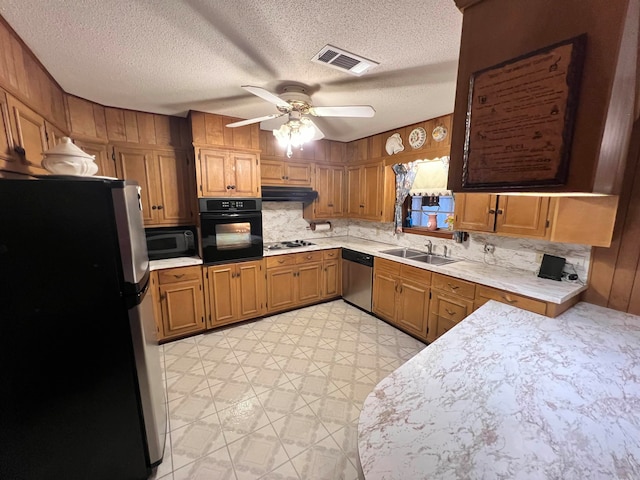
[283, 221]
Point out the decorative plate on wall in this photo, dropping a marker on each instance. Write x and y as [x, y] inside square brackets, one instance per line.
[417, 137]
[439, 133]
[394, 144]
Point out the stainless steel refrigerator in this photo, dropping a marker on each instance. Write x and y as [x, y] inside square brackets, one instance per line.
[81, 392]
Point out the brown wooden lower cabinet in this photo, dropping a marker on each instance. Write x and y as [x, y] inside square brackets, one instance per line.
[401, 295]
[236, 292]
[294, 280]
[181, 302]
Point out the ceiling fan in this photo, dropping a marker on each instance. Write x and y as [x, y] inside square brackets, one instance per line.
[295, 103]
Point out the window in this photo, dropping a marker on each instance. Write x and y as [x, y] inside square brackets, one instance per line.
[419, 207]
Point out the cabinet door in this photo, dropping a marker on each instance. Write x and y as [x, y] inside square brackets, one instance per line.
[309, 279]
[105, 162]
[28, 132]
[331, 279]
[222, 294]
[384, 295]
[133, 164]
[173, 183]
[281, 288]
[475, 212]
[9, 160]
[272, 172]
[53, 134]
[354, 200]
[371, 191]
[182, 308]
[413, 308]
[250, 292]
[298, 174]
[244, 174]
[214, 177]
[337, 192]
[522, 216]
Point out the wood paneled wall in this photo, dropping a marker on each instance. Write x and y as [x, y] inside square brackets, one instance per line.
[209, 129]
[22, 75]
[372, 149]
[614, 280]
[322, 151]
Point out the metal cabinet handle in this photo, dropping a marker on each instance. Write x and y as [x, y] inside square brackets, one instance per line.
[499, 211]
[19, 150]
[453, 287]
[281, 261]
[153, 207]
[233, 187]
[160, 207]
[178, 275]
[309, 257]
[163, 296]
[450, 312]
[492, 211]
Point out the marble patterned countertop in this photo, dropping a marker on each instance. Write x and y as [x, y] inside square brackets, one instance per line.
[512, 280]
[511, 394]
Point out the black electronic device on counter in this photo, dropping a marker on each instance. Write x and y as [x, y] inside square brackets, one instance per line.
[171, 242]
[552, 267]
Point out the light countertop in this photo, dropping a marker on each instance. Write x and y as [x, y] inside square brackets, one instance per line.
[512, 280]
[174, 262]
[511, 394]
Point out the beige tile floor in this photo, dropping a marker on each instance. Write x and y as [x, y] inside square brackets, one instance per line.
[277, 398]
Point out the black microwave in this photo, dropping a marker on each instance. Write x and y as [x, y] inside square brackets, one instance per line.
[171, 242]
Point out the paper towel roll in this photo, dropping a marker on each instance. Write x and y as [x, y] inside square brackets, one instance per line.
[321, 227]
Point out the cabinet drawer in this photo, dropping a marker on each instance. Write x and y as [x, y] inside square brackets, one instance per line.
[415, 274]
[309, 257]
[453, 285]
[389, 266]
[281, 261]
[444, 325]
[331, 254]
[182, 274]
[484, 294]
[454, 309]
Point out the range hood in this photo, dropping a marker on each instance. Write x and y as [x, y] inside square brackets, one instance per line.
[288, 194]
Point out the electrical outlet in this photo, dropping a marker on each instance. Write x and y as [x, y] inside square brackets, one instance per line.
[578, 262]
[539, 257]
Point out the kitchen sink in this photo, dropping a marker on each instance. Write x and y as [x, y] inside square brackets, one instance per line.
[418, 256]
[433, 259]
[403, 252]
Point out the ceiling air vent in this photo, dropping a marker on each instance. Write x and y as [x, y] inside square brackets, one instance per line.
[343, 60]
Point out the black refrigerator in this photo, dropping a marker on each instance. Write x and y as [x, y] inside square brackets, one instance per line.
[81, 389]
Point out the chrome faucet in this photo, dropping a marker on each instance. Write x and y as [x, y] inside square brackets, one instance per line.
[429, 246]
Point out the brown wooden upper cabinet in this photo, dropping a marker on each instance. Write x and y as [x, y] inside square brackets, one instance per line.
[330, 185]
[165, 178]
[227, 173]
[105, 160]
[517, 216]
[29, 135]
[278, 172]
[364, 185]
[584, 220]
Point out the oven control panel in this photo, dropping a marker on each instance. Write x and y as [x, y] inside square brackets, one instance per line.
[211, 205]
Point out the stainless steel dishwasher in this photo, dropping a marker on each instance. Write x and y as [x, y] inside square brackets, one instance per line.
[357, 278]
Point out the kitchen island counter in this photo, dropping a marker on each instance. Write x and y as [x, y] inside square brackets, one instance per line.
[511, 394]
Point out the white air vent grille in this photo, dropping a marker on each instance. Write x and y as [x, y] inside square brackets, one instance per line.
[343, 60]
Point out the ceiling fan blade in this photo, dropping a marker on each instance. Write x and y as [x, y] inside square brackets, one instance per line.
[266, 95]
[365, 111]
[318, 133]
[242, 123]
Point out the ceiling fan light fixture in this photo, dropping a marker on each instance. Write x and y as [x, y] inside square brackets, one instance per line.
[295, 133]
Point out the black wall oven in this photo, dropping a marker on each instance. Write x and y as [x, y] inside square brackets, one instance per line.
[231, 229]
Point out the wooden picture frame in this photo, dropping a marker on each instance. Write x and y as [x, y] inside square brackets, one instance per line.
[520, 119]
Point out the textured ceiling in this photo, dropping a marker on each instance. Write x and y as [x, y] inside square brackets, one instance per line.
[172, 56]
